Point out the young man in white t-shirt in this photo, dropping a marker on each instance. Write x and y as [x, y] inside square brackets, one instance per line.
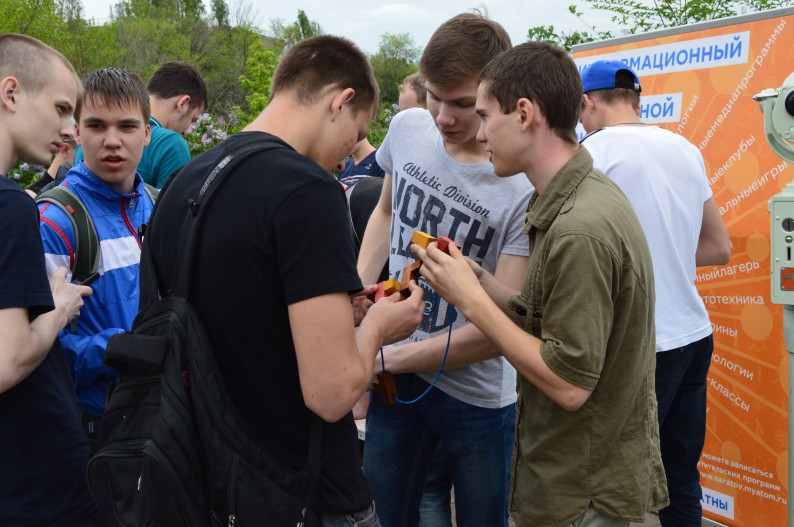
[664, 178]
[439, 180]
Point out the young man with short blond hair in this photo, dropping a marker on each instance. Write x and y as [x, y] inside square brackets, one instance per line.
[43, 450]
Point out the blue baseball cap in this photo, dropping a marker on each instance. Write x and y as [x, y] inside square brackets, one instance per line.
[602, 75]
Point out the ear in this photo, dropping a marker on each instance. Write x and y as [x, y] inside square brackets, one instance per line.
[183, 103]
[339, 100]
[9, 89]
[77, 138]
[526, 112]
[148, 134]
[589, 102]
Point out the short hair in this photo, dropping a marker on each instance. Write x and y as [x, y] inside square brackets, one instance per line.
[30, 61]
[115, 89]
[542, 73]
[461, 47]
[179, 78]
[415, 82]
[619, 95]
[316, 65]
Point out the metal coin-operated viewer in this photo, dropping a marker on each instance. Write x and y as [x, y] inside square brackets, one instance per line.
[777, 106]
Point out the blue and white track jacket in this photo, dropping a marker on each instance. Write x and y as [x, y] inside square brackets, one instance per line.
[114, 304]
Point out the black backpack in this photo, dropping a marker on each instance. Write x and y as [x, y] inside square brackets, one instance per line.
[172, 449]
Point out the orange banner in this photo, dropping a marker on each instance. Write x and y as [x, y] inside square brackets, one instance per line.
[698, 81]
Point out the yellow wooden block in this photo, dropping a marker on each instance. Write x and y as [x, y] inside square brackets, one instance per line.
[422, 239]
[391, 286]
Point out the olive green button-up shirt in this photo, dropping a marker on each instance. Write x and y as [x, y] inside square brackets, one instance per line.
[589, 297]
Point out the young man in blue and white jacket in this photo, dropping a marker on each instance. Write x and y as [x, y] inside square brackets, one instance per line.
[112, 127]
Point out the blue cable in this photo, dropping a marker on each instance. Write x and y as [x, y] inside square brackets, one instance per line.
[453, 316]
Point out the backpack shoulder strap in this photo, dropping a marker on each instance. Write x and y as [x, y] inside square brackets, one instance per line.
[86, 251]
[152, 192]
[212, 179]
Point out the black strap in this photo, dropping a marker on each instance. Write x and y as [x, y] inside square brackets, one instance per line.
[183, 268]
[591, 133]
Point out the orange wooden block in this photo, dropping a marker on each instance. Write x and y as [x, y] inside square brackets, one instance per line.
[391, 286]
[422, 239]
[385, 288]
[385, 387]
[410, 272]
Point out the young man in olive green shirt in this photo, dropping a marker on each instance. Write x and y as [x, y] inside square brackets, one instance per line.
[581, 332]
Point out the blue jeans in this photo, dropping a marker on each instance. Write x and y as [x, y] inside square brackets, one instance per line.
[364, 518]
[681, 394]
[435, 508]
[399, 446]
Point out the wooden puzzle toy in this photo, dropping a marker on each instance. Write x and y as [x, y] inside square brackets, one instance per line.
[384, 385]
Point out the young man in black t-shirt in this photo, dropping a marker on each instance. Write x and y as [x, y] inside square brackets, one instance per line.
[43, 451]
[276, 266]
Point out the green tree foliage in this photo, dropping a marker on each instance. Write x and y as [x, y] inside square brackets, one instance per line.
[567, 39]
[284, 35]
[396, 58]
[220, 13]
[261, 63]
[172, 9]
[222, 71]
[257, 78]
[89, 47]
[59, 24]
[38, 18]
[640, 16]
[380, 125]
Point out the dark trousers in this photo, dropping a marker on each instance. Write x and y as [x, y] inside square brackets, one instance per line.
[681, 393]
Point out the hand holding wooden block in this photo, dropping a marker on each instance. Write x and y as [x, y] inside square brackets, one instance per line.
[422, 239]
[410, 271]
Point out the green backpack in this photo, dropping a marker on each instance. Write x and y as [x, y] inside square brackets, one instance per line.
[86, 250]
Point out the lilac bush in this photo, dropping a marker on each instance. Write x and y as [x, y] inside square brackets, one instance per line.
[210, 130]
[25, 174]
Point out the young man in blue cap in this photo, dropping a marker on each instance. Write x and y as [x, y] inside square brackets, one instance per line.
[664, 178]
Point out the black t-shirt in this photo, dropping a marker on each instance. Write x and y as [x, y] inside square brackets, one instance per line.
[363, 198]
[43, 450]
[276, 232]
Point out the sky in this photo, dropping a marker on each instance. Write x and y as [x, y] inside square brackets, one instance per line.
[364, 22]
